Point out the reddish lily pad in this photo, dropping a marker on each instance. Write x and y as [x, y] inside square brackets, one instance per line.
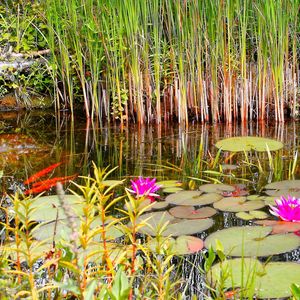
[182, 245]
[192, 198]
[216, 188]
[189, 212]
[237, 204]
[252, 241]
[280, 226]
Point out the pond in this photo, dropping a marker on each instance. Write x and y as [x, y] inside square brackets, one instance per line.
[32, 141]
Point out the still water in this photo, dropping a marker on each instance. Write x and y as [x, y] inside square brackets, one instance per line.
[32, 141]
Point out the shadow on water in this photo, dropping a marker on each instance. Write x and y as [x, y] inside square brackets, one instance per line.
[31, 141]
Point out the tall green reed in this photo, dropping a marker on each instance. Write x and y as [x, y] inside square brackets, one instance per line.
[164, 59]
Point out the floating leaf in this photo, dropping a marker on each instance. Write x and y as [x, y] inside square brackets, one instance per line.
[216, 188]
[175, 226]
[280, 226]
[151, 205]
[47, 208]
[172, 189]
[236, 273]
[284, 184]
[169, 183]
[112, 182]
[252, 241]
[192, 198]
[277, 193]
[182, 245]
[253, 214]
[277, 280]
[237, 204]
[248, 143]
[189, 212]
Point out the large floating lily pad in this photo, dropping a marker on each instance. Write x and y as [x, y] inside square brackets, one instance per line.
[175, 227]
[252, 241]
[192, 198]
[173, 189]
[216, 188]
[272, 281]
[277, 280]
[238, 273]
[280, 226]
[181, 245]
[48, 208]
[248, 143]
[238, 204]
[189, 212]
[148, 205]
[283, 188]
[63, 231]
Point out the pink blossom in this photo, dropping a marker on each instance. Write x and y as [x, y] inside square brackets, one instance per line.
[145, 187]
[287, 209]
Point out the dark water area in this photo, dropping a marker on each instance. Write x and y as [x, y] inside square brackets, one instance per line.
[31, 141]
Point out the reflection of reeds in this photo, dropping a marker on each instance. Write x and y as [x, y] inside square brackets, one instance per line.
[153, 60]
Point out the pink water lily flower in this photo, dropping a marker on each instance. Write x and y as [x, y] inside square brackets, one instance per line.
[145, 187]
[287, 209]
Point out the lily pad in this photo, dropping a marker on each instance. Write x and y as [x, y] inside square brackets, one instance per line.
[189, 212]
[236, 273]
[192, 198]
[248, 143]
[280, 226]
[63, 231]
[253, 214]
[252, 241]
[284, 184]
[272, 281]
[277, 280]
[216, 188]
[182, 245]
[169, 183]
[155, 223]
[111, 183]
[284, 192]
[156, 205]
[48, 208]
[172, 189]
[237, 204]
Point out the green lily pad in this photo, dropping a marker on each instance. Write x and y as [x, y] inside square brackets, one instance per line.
[272, 281]
[237, 204]
[284, 184]
[284, 192]
[156, 205]
[238, 273]
[155, 223]
[182, 245]
[172, 189]
[63, 230]
[280, 226]
[189, 212]
[169, 183]
[48, 208]
[252, 241]
[277, 280]
[256, 197]
[216, 188]
[253, 214]
[192, 198]
[248, 143]
[112, 182]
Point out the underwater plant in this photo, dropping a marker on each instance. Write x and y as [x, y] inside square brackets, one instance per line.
[145, 187]
[288, 209]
